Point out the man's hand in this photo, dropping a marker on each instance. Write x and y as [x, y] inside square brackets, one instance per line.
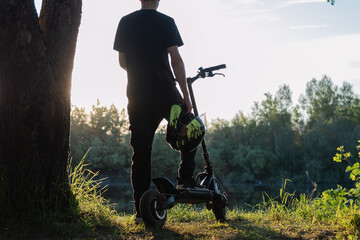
[188, 104]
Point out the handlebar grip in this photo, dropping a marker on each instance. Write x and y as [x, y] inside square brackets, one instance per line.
[214, 68]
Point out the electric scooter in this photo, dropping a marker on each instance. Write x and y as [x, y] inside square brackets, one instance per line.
[155, 202]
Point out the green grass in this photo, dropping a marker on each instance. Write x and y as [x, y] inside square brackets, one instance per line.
[285, 217]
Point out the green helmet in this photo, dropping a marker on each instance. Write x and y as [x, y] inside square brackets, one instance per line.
[184, 131]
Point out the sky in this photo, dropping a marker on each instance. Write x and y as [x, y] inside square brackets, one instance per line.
[264, 43]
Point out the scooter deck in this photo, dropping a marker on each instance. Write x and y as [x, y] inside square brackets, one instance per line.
[185, 195]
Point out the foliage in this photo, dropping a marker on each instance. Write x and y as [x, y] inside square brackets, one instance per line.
[341, 197]
[105, 131]
[276, 139]
[337, 208]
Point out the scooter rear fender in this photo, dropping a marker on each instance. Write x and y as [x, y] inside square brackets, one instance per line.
[164, 185]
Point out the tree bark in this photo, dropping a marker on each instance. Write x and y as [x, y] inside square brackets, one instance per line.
[36, 62]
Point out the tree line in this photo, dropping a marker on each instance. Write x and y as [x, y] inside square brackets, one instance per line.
[278, 139]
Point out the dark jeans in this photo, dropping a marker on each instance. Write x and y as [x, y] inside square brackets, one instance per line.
[143, 125]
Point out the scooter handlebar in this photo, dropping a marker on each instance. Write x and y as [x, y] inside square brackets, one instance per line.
[206, 72]
[214, 68]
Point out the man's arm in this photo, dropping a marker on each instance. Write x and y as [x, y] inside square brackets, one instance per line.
[122, 60]
[179, 71]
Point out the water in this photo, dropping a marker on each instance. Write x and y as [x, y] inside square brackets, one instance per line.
[246, 196]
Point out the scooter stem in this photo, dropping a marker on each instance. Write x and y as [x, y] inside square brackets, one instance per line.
[206, 157]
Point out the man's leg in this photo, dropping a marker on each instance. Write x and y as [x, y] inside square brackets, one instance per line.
[143, 127]
[187, 166]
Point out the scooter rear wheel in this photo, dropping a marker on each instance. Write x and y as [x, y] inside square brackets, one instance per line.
[220, 214]
[151, 210]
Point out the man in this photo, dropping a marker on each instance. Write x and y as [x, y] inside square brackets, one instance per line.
[144, 40]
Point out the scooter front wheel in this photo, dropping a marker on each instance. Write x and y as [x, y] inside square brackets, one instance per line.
[152, 212]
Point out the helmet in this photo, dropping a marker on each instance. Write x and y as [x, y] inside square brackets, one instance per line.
[184, 131]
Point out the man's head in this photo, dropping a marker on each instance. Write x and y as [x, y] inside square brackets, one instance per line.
[149, 4]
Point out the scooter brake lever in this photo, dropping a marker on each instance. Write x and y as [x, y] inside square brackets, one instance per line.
[221, 74]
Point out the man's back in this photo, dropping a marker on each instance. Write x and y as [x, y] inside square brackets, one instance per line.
[144, 37]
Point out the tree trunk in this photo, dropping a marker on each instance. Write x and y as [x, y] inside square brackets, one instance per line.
[36, 62]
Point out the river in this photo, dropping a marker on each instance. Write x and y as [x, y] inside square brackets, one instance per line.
[243, 196]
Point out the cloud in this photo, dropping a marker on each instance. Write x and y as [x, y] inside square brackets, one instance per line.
[293, 2]
[308, 26]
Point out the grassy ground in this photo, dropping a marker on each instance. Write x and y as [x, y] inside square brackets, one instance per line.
[186, 222]
[330, 217]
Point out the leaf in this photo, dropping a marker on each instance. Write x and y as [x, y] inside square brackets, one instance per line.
[337, 157]
[351, 168]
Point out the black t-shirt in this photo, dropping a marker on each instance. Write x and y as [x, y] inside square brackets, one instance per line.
[144, 37]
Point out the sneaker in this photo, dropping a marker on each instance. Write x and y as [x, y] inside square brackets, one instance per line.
[187, 183]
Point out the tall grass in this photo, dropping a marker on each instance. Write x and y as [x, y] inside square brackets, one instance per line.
[330, 210]
[88, 194]
[314, 216]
